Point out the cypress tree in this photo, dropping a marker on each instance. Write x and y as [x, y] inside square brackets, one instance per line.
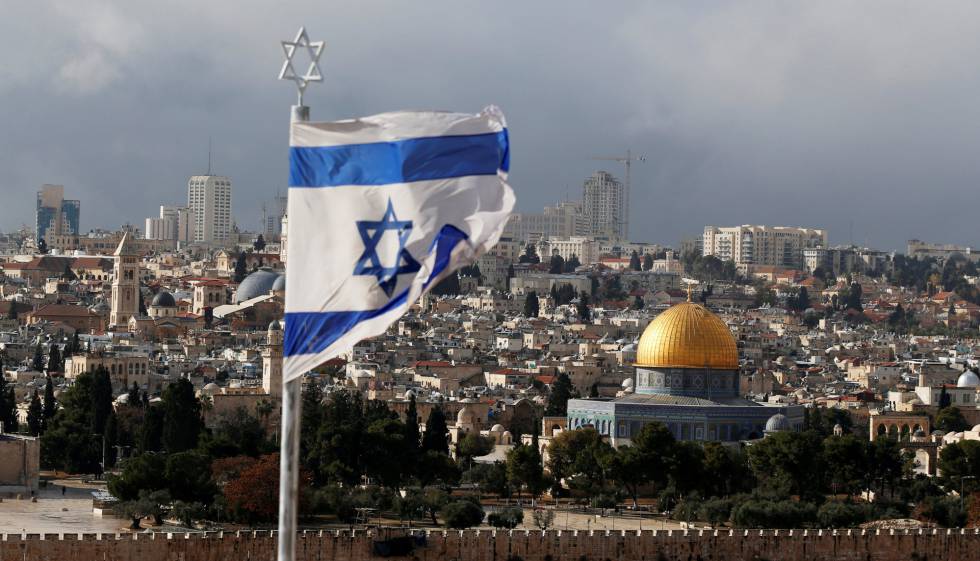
[436, 437]
[50, 403]
[35, 421]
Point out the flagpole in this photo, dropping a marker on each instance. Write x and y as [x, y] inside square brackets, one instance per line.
[290, 436]
[292, 389]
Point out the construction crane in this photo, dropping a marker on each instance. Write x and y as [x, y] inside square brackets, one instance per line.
[628, 161]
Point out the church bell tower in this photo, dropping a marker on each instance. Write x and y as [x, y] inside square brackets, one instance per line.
[125, 284]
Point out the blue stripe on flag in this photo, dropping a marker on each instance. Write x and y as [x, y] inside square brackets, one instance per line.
[312, 332]
[402, 161]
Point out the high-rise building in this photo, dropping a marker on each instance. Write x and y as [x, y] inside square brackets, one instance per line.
[603, 205]
[174, 224]
[780, 246]
[209, 201]
[55, 215]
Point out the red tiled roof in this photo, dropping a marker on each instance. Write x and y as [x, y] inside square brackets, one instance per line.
[62, 310]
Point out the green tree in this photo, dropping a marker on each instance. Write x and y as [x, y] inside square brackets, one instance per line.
[412, 436]
[141, 473]
[584, 313]
[524, 469]
[337, 448]
[37, 363]
[50, 403]
[853, 299]
[531, 306]
[635, 264]
[557, 265]
[581, 459]
[791, 462]
[726, 471]
[54, 359]
[506, 518]
[101, 399]
[462, 514]
[241, 268]
[647, 261]
[151, 430]
[182, 422]
[572, 264]
[950, 419]
[259, 243]
[561, 392]
[8, 405]
[34, 415]
[72, 441]
[846, 461]
[959, 463]
[436, 437]
[648, 461]
[530, 255]
[188, 476]
[490, 478]
[133, 395]
[473, 445]
[386, 453]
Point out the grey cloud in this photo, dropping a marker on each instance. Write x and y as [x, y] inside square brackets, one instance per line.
[818, 114]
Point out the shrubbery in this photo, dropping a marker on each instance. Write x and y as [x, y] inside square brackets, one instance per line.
[506, 518]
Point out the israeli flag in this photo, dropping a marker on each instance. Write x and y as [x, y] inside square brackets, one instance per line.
[380, 210]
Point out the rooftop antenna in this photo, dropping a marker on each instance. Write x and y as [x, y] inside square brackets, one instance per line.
[209, 155]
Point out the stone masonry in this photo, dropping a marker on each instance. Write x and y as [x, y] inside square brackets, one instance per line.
[488, 545]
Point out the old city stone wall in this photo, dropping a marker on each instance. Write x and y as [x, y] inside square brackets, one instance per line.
[518, 545]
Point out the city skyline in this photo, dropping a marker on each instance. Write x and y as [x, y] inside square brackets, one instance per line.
[829, 116]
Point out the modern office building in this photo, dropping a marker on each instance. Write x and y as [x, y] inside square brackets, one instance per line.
[56, 216]
[209, 201]
[563, 220]
[779, 246]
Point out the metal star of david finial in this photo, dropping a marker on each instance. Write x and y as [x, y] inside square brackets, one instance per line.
[290, 48]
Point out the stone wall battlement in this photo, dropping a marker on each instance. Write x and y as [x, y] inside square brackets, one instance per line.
[506, 545]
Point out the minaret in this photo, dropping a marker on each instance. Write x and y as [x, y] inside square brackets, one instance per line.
[125, 284]
[272, 361]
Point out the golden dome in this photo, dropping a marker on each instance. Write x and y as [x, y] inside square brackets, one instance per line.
[687, 336]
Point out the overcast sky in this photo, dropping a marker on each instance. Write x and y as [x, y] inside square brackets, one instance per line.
[853, 116]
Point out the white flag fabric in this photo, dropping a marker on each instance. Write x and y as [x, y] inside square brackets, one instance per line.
[380, 210]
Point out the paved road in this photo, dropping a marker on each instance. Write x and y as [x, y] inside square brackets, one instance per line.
[54, 513]
[578, 521]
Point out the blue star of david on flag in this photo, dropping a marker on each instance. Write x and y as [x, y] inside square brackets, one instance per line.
[369, 263]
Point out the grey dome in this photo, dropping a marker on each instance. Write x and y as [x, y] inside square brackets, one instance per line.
[275, 325]
[163, 299]
[258, 283]
[968, 379]
[280, 284]
[777, 423]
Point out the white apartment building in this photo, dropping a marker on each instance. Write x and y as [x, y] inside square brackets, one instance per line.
[604, 206]
[585, 248]
[173, 224]
[209, 200]
[780, 246]
[920, 250]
